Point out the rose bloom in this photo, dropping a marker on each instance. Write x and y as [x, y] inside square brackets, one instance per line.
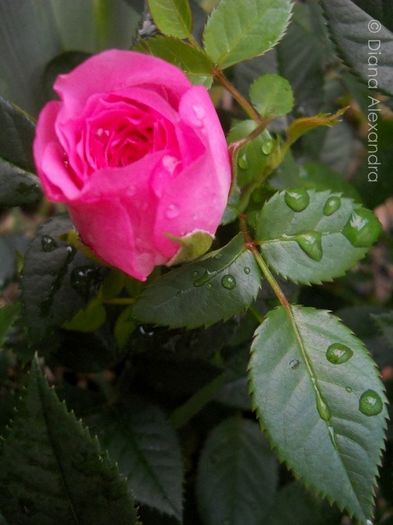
[138, 155]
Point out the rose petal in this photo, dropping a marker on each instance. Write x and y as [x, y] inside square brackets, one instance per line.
[114, 70]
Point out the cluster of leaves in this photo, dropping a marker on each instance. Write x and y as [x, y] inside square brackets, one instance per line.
[199, 383]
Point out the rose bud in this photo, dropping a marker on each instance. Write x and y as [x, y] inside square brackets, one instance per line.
[138, 155]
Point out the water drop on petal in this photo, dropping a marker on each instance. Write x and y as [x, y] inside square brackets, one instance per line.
[172, 211]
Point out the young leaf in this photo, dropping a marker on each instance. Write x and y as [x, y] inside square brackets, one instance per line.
[194, 62]
[301, 126]
[272, 95]
[16, 136]
[140, 439]
[88, 319]
[212, 289]
[310, 237]
[17, 187]
[172, 17]
[365, 43]
[53, 471]
[239, 30]
[318, 396]
[237, 475]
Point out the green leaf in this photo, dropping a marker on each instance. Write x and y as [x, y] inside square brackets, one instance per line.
[16, 136]
[312, 175]
[310, 237]
[252, 158]
[53, 471]
[303, 54]
[140, 439]
[214, 288]
[172, 17]
[17, 187]
[272, 95]
[8, 315]
[295, 506]
[56, 279]
[319, 398]
[194, 62]
[88, 319]
[359, 36]
[240, 30]
[237, 475]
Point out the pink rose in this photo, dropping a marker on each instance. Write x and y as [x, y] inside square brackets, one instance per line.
[138, 155]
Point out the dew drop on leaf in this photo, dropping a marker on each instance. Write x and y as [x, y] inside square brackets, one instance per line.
[243, 162]
[311, 244]
[267, 147]
[146, 332]
[228, 282]
[246, 270]
[362, 229]
[48, 244]
[323, 409]
[338, 354]
[294, 364]
[348, 389]
[370, 403]
[332, 205]
[297, 200]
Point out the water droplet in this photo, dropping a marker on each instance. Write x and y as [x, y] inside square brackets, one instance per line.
[66, 163]
[101, 132]
[267, 147]
[323, 409]
[243, 162]
[209, 285]
[294, 364]
[218, 256]
[82, 277]
[332, 205]
[146, 332]
[172, 211]
[48, 244]
[195, 274]
[170, 163]
[200, 114]
[228, 282]
[362, 229]
[311, 244]
[202, 279]
[348, 389]
[338, 354]
[297, 200]
[246, 270]
[370, 403]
